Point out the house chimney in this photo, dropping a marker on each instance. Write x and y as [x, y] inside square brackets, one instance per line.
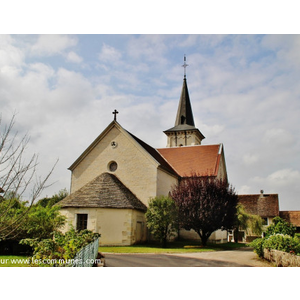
[262, 192]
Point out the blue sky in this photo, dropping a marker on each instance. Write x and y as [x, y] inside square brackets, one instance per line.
[244, 91]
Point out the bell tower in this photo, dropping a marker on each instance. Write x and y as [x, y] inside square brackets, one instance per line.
[184, 133]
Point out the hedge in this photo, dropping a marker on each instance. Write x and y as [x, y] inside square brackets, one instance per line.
[281, 242]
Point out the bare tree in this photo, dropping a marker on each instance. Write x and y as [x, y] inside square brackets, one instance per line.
[17, 176]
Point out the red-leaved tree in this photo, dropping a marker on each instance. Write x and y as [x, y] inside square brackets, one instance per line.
[205, 205]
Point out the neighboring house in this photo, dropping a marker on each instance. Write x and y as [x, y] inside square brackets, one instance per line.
[267, 207]
[292, 217]
[264, 205]
[114, 178]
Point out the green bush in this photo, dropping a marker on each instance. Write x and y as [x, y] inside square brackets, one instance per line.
[61, 249]
[283, 242]
[279, 236]
[257, 244]
[279, 225]
[161, 218]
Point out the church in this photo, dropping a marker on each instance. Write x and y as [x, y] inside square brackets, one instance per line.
[113, 180]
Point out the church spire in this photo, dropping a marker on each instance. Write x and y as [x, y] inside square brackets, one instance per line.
[184, 112]
[184, 133]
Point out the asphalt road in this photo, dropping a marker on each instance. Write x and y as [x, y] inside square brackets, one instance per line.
[235, 258]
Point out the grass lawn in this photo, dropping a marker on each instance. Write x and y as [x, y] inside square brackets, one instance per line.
[13, 261]
[174, 247]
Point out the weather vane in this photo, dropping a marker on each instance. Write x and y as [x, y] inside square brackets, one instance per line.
[184, 66]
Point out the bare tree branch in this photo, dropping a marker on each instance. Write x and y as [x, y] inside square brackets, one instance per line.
[17, 176]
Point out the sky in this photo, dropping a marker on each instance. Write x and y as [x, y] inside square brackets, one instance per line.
[244, 91]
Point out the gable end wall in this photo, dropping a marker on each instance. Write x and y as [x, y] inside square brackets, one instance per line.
[134, 165]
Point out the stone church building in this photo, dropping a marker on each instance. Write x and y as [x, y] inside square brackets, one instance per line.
[114, 178]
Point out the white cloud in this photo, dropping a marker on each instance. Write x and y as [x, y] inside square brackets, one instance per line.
[249, 159]
[244, 190]
[10, 55]
[109, 54]
[52, 44]
[287, 47]
[73, 57]
[149, 47]
[278, 137]
[284, 177]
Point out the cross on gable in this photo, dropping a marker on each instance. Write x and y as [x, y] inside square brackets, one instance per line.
[115, 112]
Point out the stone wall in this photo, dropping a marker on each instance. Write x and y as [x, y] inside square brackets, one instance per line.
[120, 227]
[165, 182]
[282, 259]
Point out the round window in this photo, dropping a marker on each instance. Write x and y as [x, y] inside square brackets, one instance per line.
[112, 166]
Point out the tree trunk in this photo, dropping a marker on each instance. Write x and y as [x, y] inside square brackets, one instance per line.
[204, 237]
[236, 235]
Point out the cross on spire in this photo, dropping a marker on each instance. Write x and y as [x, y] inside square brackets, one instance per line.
[184, 66]
[115, 112]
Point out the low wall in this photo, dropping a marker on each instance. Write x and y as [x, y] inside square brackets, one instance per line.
[282, 259]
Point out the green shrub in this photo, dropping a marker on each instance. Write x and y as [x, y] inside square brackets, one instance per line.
[279, 236]
[283, 242]
[161, 218]
[279, 225]
[257, 244]
[61, 249]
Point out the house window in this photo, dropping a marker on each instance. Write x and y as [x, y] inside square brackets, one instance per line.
[81, 222]
[265, 221]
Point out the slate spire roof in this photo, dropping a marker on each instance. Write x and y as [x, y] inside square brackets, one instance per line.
[105, 191]
[185, 118]
[184, 112]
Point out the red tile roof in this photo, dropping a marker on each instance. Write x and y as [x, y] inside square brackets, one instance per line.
[201, 159]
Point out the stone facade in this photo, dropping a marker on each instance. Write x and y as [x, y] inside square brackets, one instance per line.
[135, 167]
[116, 226]
[183, 138]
